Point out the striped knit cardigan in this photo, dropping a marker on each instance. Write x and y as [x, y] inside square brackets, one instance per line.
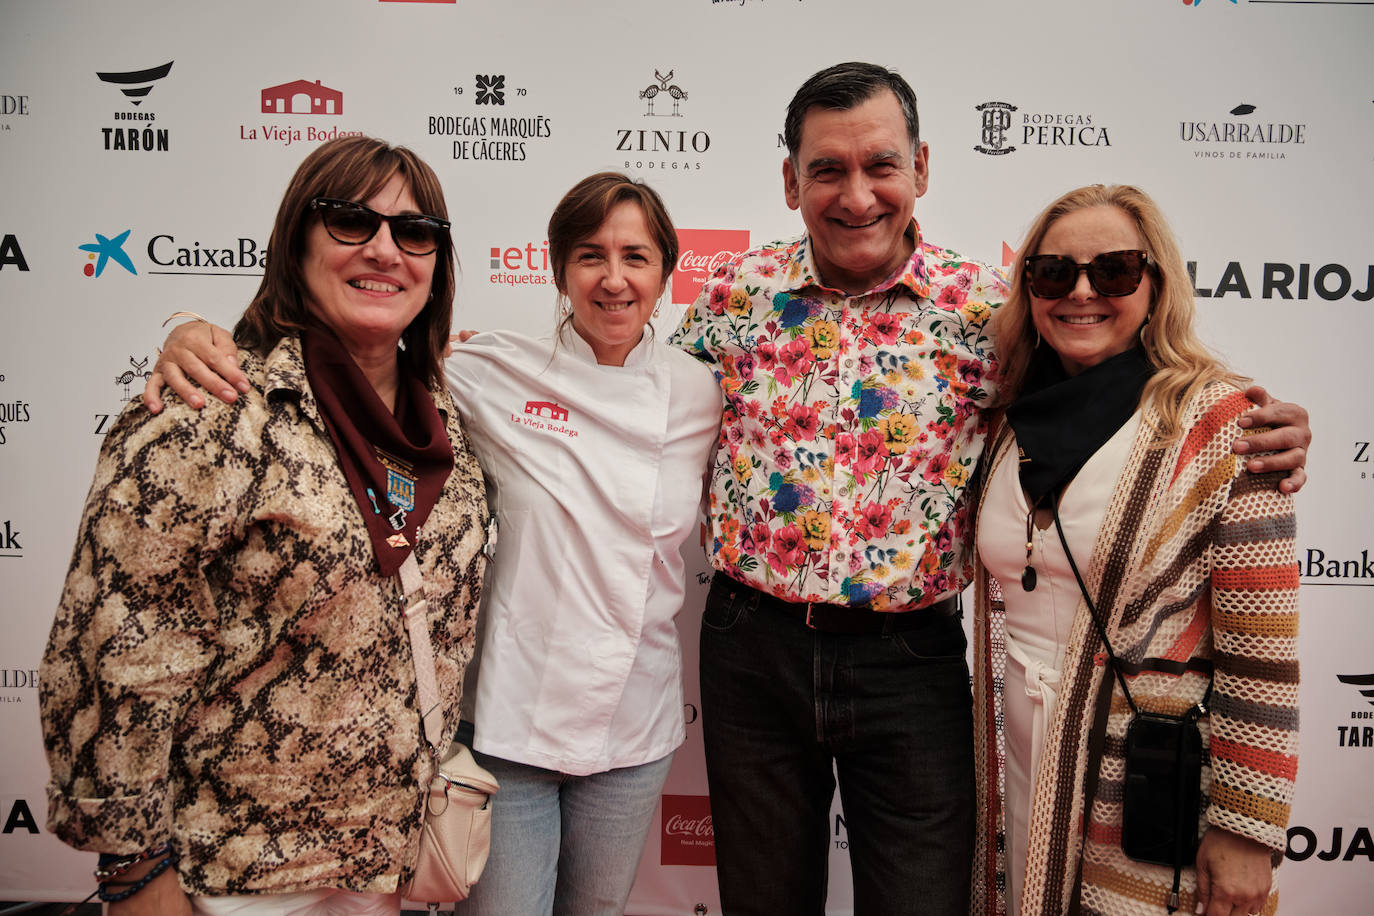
[1194, 570]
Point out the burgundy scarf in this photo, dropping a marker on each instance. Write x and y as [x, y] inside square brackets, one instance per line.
[395, 464]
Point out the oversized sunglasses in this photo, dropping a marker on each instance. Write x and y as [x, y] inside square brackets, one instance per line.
[350, 223]
[1112, 273]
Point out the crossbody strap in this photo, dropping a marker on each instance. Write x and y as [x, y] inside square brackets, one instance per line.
[1200, 709]
[1092, 609]
[421, 652]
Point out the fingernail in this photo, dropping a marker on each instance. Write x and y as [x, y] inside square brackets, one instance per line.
[243, 387]
[1199, 908]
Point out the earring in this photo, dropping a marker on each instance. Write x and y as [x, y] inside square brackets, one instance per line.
[1037, 338]
[1143, 326]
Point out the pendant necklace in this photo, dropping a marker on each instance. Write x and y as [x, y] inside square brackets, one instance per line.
[1028, 574]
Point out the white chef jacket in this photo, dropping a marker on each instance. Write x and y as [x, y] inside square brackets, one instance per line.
[595, 475]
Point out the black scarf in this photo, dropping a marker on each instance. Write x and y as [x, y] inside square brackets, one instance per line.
[1061, 421]
[395, 464]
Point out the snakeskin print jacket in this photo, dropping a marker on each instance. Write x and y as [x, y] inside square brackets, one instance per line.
[228, 670]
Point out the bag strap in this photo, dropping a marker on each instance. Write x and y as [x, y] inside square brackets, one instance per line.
[1092, 609]
[1198, 710]
[422, 653]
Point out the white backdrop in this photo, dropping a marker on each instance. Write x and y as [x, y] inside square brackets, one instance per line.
[1251, 122]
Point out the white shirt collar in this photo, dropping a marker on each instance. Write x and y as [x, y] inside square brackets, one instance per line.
[641, 355]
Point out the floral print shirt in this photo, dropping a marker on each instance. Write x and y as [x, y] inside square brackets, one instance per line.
[851, 425]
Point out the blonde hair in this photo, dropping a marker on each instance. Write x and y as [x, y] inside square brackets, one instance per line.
[1182, 362]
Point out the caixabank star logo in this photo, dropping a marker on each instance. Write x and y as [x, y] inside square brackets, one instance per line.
[106, 250]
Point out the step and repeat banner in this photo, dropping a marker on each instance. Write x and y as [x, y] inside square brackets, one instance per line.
[144, 147]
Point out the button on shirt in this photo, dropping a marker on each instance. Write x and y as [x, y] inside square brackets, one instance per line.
[851, 426]
[596, 478]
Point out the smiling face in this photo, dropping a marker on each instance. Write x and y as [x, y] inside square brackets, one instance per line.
[367, 294]
[614, 278]
[855, 181]
[1083, 327]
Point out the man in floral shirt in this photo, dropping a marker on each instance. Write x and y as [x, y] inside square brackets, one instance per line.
[855, 361]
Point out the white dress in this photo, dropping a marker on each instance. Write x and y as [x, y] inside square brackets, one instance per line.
[1039, 621]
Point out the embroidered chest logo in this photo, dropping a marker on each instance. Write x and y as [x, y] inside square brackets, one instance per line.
[545, 417]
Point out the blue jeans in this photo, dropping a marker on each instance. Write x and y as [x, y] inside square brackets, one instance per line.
[565, 844]
[784, 708]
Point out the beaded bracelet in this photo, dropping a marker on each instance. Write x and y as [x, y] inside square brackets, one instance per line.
[140, 884]
[111, 866]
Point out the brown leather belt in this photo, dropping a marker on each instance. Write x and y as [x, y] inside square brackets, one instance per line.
[856, 619]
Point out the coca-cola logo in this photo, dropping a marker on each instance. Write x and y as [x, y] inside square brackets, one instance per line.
[703, 263]
[680, 825]
[703, 251]
[688, 838]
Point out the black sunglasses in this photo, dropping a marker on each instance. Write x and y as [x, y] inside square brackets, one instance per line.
[1112, 273]
[350, 223]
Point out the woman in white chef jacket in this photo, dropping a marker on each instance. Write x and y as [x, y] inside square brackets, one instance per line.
[594, 444]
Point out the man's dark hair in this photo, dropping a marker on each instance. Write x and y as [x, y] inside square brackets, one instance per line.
[845, 86]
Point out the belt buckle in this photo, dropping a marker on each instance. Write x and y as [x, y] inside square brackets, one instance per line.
[809, 623]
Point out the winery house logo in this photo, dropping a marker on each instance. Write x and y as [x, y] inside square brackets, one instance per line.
[302, 97]
[104, 250]
[668, 89]
[136, 86]
[1241, 137]
[650, 147]
[1196, 2]
[703, 251]
[545, 417]
[545, 409]
[1006, 127]
[11, 255]
[299, 97]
